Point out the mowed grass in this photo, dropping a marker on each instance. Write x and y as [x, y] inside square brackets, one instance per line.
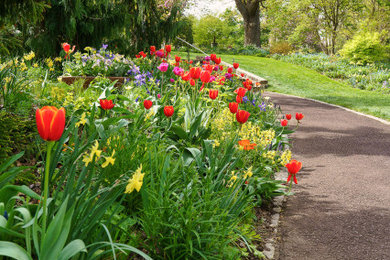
[299, 81]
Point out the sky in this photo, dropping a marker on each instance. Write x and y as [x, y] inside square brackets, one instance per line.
[215, 7]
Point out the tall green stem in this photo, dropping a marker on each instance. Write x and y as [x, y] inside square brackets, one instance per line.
[50, 145]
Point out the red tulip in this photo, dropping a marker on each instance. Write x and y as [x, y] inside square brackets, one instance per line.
[192, 82]
[242, 75]
[168, 48]
[152, 48]
[230, 70]
[293, 168]
[235, 65]
[195, 72]
[106, 104]
[217, 61]
[238, 99]
[284, 122]
[242, 116]
[233, 106]
[288, 116]
[168, 111]
[66, 46]
[177, 59]
[213, 57]
[241, 92]
[213, 93]
[186, 76]
[299, 116]
[148, 104]
[205, 76]
[50, 122]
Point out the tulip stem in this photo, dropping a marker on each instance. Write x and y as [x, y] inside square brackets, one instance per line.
[50, 145]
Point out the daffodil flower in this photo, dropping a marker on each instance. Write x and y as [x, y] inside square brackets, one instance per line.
[95, 149]
[109, 159]
[82, 120]
[136, 181]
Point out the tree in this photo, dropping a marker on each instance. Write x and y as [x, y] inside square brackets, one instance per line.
[250, 11]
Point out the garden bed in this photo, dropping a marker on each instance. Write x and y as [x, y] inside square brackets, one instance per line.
[88, 79]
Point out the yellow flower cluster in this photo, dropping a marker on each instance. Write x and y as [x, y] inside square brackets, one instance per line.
[250, 132]
[68, 99]
[248, 173]
[266, 138]
[136, 181]
[82, 120]
[88, 158]
[23, 66]
[149, 115]
[29, 56]
[285, 158]
[58, 59]
[50, 63]
[222, 125]
[269, 155]
[232, 179]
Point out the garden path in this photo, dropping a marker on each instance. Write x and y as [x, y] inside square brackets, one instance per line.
[341, 206]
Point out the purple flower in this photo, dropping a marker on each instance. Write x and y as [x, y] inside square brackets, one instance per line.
[136, 100]
[228, 76]
[207, 58]
[163, 67]
[212, 78]
[262, 107]
[245, 99]
[253, 102]
[104, 46]
[216, 68]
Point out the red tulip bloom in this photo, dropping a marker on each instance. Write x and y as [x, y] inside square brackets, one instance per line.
[242, 75]
[195, 72]
[106, 104]
[192, 82]
[240, 92]
[288, 116]
[217, 61]
[235, 65]
[177, 59]
[148, 104]
[238, 99]
[213, 57]
[205, 76]
[186, 76]
[168, 111]
[242, 116]
[153, 48]
[213, 93]
[299, 116]
[168, 48]
[233, 106]
[66, 47]
[50, 122]
[284, 122]
[230, 70]
[293, 168]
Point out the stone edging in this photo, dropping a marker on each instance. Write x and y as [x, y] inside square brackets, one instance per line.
[270, 251]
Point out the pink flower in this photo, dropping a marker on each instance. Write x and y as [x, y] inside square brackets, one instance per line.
[178, 71]
[163, 67]
[158, 96]
[171, 80]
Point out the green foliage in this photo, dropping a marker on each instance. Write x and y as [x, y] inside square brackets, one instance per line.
[366, 47]
[17, 133]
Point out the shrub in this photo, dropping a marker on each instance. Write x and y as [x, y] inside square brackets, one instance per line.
[16, 134]
[365, 47]
[281, 48]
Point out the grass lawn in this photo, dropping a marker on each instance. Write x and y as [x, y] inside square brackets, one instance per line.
[299, 81]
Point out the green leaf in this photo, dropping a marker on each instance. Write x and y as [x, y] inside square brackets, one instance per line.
[14, 251]
[73, 248]
[180, 132]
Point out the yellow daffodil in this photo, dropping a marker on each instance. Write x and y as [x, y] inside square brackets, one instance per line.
[248, 173]
[35, 65]
[109, 159]
[136, 181]
[87, 159]
[82, 121]
[95, 149]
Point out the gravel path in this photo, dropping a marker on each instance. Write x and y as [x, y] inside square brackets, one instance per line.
[341, 209]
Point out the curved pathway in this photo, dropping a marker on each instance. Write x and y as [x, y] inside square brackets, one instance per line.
[341, 206]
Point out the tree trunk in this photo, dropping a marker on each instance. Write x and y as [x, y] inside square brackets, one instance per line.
[250, 11]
